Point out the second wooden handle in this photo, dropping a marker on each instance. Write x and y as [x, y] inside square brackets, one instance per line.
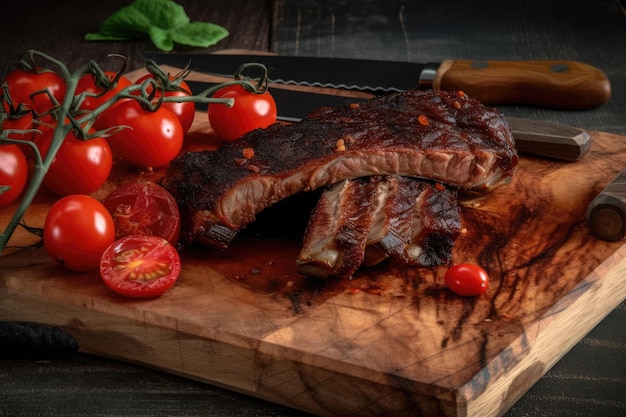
[606, 214]
[555, 84]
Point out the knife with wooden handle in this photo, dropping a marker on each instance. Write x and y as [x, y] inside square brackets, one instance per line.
[606, 214]
[554, 84]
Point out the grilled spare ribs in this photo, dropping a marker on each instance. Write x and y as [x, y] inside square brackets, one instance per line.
[366, 220]
[437, 135]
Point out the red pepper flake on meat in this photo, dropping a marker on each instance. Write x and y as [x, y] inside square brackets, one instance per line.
[354, 105]
[340, 146]
[439, 186]
[456, 105]
[248, 153]
[423, 120]
[460, 93]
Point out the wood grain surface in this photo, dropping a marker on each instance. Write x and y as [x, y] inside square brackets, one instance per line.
[579, 30]
[587, 381]
[393, 340]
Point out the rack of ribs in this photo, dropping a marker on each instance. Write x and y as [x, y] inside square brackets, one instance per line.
[440, 136]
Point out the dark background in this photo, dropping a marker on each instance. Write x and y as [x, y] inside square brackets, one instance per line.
[588, 381]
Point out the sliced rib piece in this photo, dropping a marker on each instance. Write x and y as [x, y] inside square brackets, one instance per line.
[418, 223]
[443, 136]
[366, 220]
[335, 238]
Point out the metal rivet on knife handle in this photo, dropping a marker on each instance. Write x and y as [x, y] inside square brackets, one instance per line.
[606, 214]
[574, 85]
[427, 76]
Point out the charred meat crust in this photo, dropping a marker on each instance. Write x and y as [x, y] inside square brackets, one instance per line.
[442, 136]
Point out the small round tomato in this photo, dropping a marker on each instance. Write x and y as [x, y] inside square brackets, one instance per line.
[79, 167]
[13, 173]
[31, 88]
[77, 230]
[140, 266]
[94, 96]
[467, 279]
[185, 111]
[150, 140]
[144, 208]
[250, 111]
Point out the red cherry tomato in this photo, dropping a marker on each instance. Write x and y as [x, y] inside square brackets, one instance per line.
[467, 279]
[28, 88]
[87, 84]
[152, 138]
[185, 111]
[250, 111]
[79, 167]
[13, 173]
[144, 208]
[77, 230]
[140, 266]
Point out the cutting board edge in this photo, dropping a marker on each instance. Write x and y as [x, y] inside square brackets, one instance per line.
[506, 389]
[530, 368]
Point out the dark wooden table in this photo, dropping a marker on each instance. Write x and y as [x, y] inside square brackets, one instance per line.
[588, 381]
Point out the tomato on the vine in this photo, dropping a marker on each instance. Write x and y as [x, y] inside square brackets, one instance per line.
[151, 139]
[31, 88]
[467, 279]
[95, 94]
[144, 208]
[77, 230]
[185, 111]
[79, 167]
[250, 111]
[140, 266]
[13, 173]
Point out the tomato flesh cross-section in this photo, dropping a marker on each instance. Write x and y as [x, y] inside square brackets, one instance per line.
[140, 266]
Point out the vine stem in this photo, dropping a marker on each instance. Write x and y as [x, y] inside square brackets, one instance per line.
[67, 122]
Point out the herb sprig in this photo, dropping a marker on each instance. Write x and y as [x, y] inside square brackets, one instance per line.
[164, 22]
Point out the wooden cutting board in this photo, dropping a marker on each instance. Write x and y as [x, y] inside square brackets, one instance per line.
[391, 342]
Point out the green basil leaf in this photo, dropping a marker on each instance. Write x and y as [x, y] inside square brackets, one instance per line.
[161, 38]
[199, 34]
[164, 14]
[163, 21]
[102, 37]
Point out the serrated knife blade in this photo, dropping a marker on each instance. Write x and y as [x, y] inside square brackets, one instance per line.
[554, 84]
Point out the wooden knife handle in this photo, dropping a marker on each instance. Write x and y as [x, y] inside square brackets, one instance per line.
[606, 214]
[557, 84]
[552, 140]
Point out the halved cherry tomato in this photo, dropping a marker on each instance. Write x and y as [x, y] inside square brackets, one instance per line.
[87, 84]
[250, 111]
[152, 138]
[79, 167]
[144, 208]
[467, 279]
[13, 173]
[77, 230]
[140, 266]
[185, 111]
[31, 88]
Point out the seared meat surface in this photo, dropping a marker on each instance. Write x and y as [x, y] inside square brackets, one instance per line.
[366, 220]
[437, 135]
